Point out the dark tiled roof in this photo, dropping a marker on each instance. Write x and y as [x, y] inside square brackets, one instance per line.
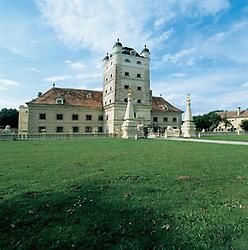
[75, 97]
[91, 98]
[127, 51]
[160, 104]
[233, 114]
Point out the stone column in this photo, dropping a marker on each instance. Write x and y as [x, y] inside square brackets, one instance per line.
[188, 128]
[129, 126]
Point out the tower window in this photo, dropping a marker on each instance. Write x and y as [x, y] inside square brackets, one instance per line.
[174, 119]
[42, 129]
[139, 101]
[74, 117]
[125, 100]
[75, 129]
[138, 75]
[100, 130]
[59, 116]
[126, 86]
[127, 74]
[111, 76]
[138, 88]
[88, 117]
[165, 119]
[106, 91]
[110, 101]
[106, 117]
[106, 79]
[105, 103]
[127, 60]
[100, 118]
[59, 129]
[88, 129]
[42, 116]
[155, 119]
[110, 89]
[138, 62]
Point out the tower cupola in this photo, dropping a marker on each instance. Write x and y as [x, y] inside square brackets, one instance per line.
[145, 52]
[117, 47]
[106, 58]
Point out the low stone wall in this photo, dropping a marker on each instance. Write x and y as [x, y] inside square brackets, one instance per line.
[46, 136]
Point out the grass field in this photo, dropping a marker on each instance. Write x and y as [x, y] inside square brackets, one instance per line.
[123, 194]
[227, 137]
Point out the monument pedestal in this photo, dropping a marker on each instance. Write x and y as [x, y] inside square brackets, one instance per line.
[188, 129]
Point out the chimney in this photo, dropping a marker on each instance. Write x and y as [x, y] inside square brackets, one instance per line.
[238, 111]
[39, 94]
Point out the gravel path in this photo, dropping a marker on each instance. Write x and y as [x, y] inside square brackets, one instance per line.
[209, 141]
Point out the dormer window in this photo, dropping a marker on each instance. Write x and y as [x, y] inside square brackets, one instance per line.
[133, 52]
[59, 101]
[127, 60]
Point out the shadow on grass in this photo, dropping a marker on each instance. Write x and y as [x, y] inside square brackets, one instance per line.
[82, 218]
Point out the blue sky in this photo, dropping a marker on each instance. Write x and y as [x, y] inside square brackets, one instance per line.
[197, 46]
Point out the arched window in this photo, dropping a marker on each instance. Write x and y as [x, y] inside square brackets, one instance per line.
[138, 62]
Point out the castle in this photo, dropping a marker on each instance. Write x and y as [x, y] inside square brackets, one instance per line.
[63, 110]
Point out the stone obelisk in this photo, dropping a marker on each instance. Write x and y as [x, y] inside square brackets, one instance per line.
[188, 127]
[129, 126]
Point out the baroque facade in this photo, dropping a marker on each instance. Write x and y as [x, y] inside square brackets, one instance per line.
[234, 119]
[63, 110]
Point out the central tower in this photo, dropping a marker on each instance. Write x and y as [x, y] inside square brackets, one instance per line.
[126, 71]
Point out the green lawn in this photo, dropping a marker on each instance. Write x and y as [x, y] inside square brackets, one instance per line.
[123, 194]
[227, 137]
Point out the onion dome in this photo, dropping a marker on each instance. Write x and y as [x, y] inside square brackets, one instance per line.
[145, 49]
[106, 58]
[118, 43]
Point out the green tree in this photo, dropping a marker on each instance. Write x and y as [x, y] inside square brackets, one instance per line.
[244, 125]
[9, 117]
[207, 121]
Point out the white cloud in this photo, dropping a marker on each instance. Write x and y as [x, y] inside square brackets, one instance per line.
[77, 66]
[33, 69]
[57, 78]
[96, 24]
[6, 83]
[244, 85]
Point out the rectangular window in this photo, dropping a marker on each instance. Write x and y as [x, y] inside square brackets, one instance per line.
[174, 119]
[59, 116]
[125, 100]
[75, 129]
[126, 86]
[74, 117]
[59, 130]
[127, 74]
[155, 119]
[88, 117]
[100, 129]
[42, 129]
[106, 117]
[138, 75]
[138, 88]
[88, 129]
[139, 101]
[100, 118]
[42, 116]
[165, 119]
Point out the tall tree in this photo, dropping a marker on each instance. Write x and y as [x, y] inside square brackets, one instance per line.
[244, 125]
[9, 117]
[207, 121]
